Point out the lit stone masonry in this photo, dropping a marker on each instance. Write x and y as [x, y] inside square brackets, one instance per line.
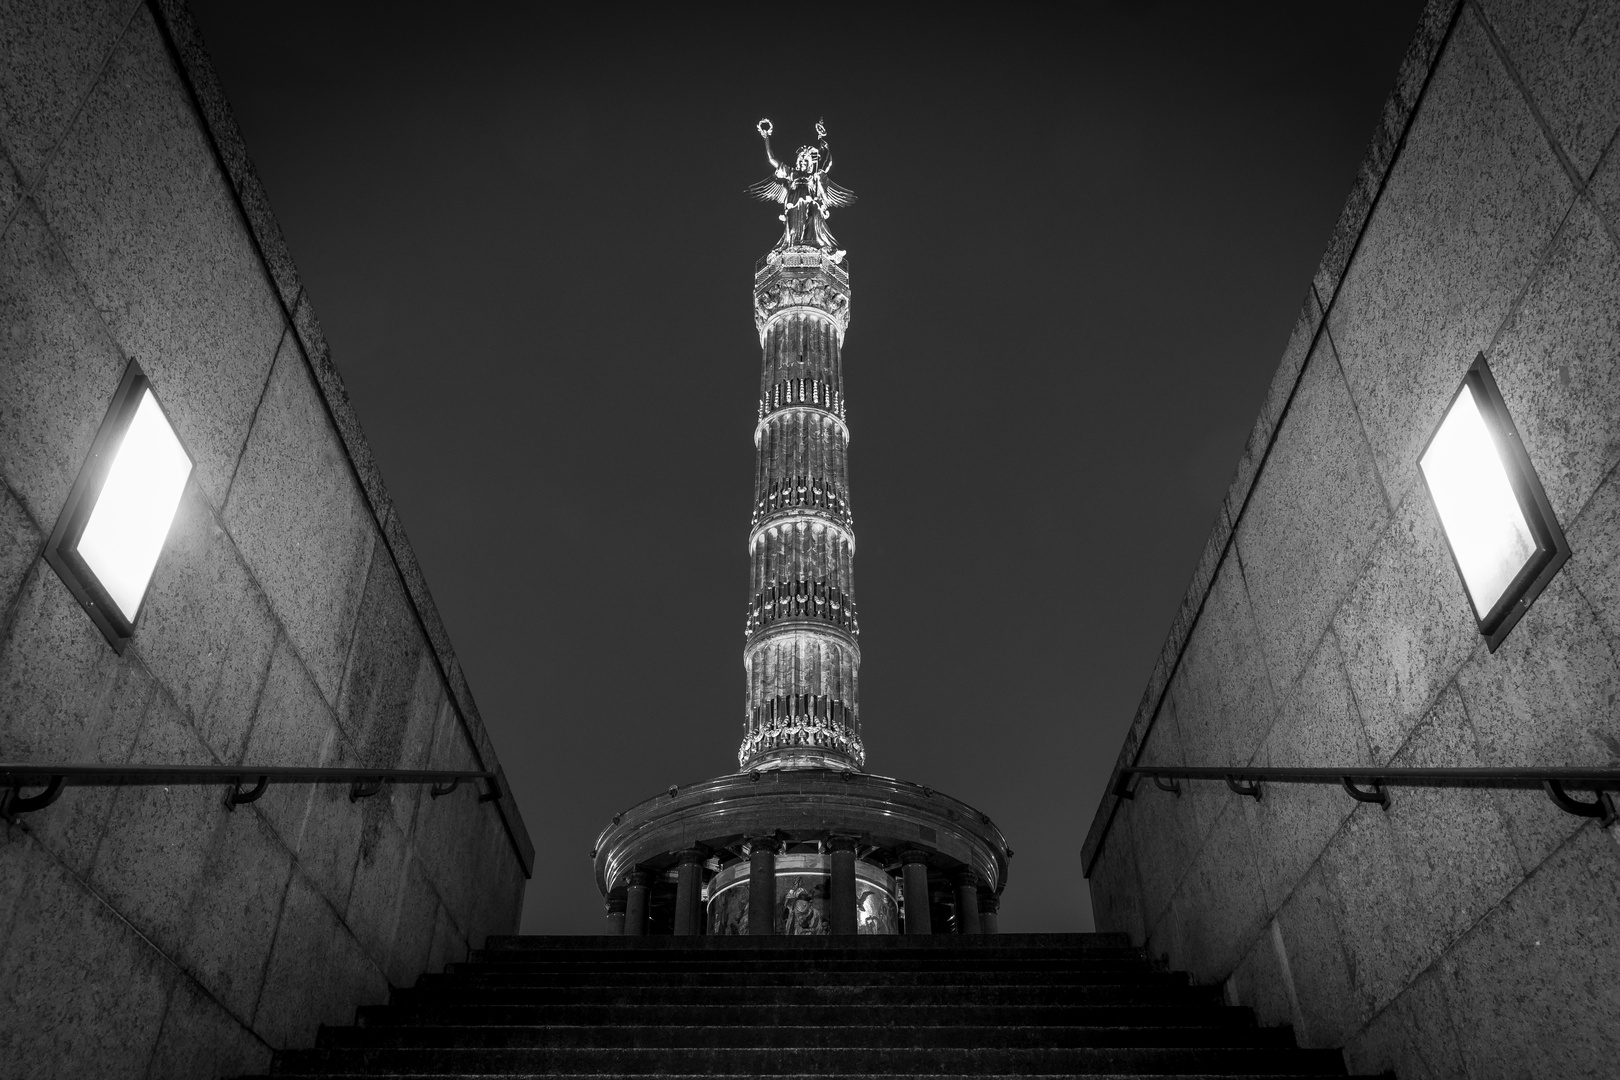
[801, 658]
[801, 840]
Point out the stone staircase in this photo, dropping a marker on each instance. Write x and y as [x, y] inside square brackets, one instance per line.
[1016, 1004]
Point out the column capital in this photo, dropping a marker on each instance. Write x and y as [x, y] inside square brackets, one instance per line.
[642, 878]
[989, 903]
[966, 876]
[764, 843]
[615, 902]
[841, 842]
[913, 856]
[696, 854]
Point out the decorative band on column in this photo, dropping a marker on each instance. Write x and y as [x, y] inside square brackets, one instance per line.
[789, 732]
[792, 392]
[803, 491]
[802, 600]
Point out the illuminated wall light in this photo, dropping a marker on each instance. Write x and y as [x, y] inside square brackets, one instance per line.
[110, 534]
[1503, 535]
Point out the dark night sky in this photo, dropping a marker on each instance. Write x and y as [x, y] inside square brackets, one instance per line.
[1079, 248]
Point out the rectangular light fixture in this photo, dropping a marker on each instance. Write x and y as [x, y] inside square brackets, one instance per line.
[1503, 535]
[108, 538]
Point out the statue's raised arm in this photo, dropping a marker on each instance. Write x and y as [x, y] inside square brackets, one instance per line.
[764, 127]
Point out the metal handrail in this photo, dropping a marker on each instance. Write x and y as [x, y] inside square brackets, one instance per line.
[363, 783]
[1555, 782]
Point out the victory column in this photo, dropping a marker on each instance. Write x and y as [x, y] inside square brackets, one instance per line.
[801, 841]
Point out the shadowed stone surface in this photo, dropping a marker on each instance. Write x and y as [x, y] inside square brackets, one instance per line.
[206, 630]
[58, 369]
[1222, 692]
[228, 939]
[145, 930]
[1466, 214]
[1312, 933]
[1560, 929]
[1317, 725]
[300, 521]
[50, 55]
[198, 1038]
[1563, 50]
[1555, 364]
[1413, 1036]
[1431, 938]
[1314, 516]
[1036, 1004]
[99, 967]
[1405, 628]
[150, 226]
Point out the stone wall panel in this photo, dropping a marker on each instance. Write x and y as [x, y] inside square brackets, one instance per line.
[1314, 516]
[231, 927]
[1220, 904]
[58, 369]
[154, 852]
[1563, 51]
[1546, 697]
[1594, 561]
[46, 73]
[70, 956]
[1413, 1036]
[1466, 215]
[311, 940]
[199, 1038]
[1405, 628]
[139, 205]
[1532, 988]
[1317, 725]
[1311, 930]
[1222, 691]
[1555, 364]
[301, 522]
[206, 630]
[1262, 982]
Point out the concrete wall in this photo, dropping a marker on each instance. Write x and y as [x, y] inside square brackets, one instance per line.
[148, 931]
[1460, 934]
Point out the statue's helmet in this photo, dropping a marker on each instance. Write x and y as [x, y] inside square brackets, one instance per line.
[809, 157]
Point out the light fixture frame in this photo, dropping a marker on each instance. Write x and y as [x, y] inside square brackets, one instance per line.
[61, 551]
[1552, 548]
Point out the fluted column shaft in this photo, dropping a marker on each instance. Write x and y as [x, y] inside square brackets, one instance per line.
[801, 656]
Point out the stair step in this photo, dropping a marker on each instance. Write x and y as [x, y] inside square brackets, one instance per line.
[819, 1076]
[460, 1014]
[483, 977]
[983, 945]
[505, 959]
[756, 1061]
[800, 1036]
[869, 996]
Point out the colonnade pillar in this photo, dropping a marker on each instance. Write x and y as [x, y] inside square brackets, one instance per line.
[915, 877]
[689, 891]
[615, 913]
[989, 905]
[841, 887]
[762, 886]
[967, 902]
[635, 906]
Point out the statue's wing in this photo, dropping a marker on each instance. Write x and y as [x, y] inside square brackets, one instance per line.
[770, 189]
[837, 194]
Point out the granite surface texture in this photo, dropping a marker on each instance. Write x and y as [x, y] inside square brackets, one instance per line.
[1459, 933]
[149, 931]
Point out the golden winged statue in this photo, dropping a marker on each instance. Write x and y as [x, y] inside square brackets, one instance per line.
[805, 192]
